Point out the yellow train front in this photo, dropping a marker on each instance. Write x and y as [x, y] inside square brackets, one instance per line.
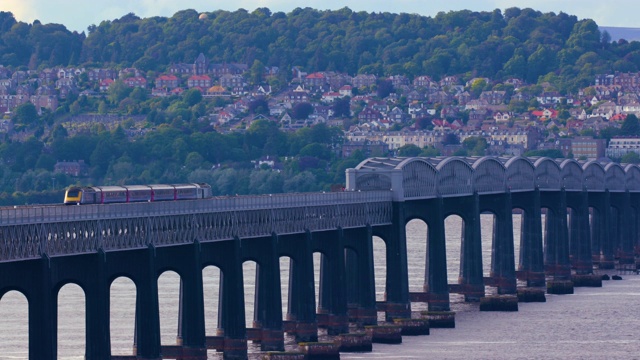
[73, 195]
[135, 193]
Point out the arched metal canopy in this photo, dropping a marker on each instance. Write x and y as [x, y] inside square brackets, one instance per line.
[421, 177]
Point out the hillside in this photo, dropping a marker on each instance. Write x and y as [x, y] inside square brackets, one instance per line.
[516, 43]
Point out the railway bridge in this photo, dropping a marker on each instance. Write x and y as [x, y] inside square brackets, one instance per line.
[590, 211]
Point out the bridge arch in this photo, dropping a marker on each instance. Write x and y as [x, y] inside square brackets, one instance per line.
[594, 176]
[375, 174]
[418, 178]
[632, 177]
[489, 175]
[615, 177]
[455, 177]
[520, 174]
[548, 174]
[571, 175]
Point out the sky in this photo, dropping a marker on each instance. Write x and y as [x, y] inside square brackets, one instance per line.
[79, 14]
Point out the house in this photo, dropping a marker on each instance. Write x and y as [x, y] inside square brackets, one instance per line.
[202, 81]
[493, 97]
[476, 105]
[96, 75]
[330, 97]
[397, 115]
[217, 91]
[181, 69]
[422, 81]
[129, 72]
[346, 90]
[549, 98]
[231, 81]
[546, 114]
[169, 81]
[363, 80]
[315, 80]
[72, 168]
[200, 65]
[136, 81]
[368, 114]
[49, 102]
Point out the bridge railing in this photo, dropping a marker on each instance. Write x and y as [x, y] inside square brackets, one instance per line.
[23, 215]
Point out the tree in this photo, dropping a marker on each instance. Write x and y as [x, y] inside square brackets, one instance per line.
[630, 126]
[450, 139]
[301, 111]
[385, 87]
[256, 73]
[475, 145]
[192, 97]
[342, 107]
[26, 114]
[409, 150]
[259, 106]
[118, 91]
[631, 157]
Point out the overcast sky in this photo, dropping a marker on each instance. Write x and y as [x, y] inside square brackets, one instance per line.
[79, 14]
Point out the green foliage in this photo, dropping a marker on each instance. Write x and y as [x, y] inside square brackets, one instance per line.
[630, 126]
[475, 146]
[550, 153]
[26, 115]
[409, 150]
[631, 157]
[301, 111]
[521, 43]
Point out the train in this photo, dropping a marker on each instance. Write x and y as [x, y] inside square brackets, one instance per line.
[79, 195]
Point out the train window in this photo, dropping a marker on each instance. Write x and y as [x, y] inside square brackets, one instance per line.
[73, 192]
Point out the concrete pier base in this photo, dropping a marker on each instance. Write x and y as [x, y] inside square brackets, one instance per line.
[589, 280]
[531, 295]
[413, 326]
[283, 356]
[320, 351]
[385, 334]
[499, 303]
[359, 342]
[559, 287]
[440, 319]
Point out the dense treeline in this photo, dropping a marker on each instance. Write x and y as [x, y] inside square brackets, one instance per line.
[521, 43]
[176, 154]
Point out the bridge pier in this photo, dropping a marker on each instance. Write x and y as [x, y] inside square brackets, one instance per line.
[503, 269]
[332, 297]
[437, 283]
[301, 312]
[361, 291]
[470, 281]
[557, 264]
[268, 301]
[191, 327]
[43, 309]
[579, 234]
[97, 311]
[607, 238]
[397, 304]
[147, 322]
[531, 264]
[625, 228]
[231, 317]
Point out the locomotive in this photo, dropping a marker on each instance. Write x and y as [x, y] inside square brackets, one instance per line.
[135, 193]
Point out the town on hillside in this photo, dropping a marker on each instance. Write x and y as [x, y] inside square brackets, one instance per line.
[379, 116]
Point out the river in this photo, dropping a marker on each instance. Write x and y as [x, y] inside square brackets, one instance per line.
[594, 323]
